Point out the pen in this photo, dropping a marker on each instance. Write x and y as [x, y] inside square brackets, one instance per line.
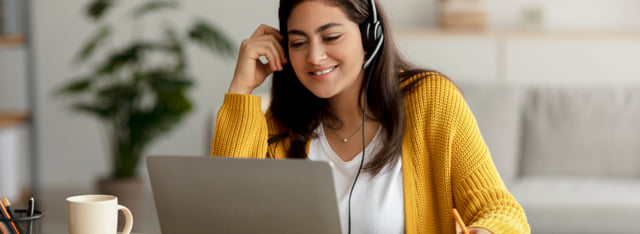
[3, 228]
[459, 221]
[11, 224]
[31, 208]
[30, 212]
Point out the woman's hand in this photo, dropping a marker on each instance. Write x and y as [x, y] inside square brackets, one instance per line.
[250, 72]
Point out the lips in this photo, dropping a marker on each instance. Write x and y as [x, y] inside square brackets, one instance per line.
[322, 72]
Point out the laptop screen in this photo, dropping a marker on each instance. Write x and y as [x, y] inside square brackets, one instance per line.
[231, 195]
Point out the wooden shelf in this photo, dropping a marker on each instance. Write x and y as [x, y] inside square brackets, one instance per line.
[541, 34]
[8, 119]
[11, 40]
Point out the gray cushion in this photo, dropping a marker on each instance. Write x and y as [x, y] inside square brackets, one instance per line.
[582, 131]
[579, 204]
[498, 113]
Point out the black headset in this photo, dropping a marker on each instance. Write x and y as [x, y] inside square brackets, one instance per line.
[373, 34]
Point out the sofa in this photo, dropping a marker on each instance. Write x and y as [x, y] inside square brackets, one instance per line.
[569, 155]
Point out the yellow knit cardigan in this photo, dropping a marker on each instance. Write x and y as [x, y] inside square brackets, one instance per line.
[445, 162]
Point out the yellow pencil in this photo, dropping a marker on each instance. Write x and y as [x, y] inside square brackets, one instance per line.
[6, 214]
[459, 221]
[2, 229]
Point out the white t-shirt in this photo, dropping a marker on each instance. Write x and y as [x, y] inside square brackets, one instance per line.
[377, 203]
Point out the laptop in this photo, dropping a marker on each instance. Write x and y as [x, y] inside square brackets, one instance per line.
[231, 195]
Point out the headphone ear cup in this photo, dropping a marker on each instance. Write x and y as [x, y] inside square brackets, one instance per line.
[371, 34]
[377, 32]
[366, 36]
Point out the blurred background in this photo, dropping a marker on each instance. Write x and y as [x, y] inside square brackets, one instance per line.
[50, 151]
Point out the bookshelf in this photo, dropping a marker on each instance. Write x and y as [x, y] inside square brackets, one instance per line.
[18, 127]
[8, 119]
[533, 34]
[12, 41]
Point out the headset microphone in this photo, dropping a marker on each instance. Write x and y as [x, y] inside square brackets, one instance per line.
[373, 34]
[373, 55]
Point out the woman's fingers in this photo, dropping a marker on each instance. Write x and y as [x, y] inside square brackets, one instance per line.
[273, 64]
[264, 46]
[270, 50]
[273, 51]
[277, 50]
[283, 57]
[265, 30]
[250, 71]
[274, 35]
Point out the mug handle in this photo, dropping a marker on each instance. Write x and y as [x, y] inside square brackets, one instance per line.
[128, 217]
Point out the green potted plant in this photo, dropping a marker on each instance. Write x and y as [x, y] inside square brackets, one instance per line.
[138, 89]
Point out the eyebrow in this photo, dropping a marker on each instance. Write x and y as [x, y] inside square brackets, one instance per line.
[320, 29]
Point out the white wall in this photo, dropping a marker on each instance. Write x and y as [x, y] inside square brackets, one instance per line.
[527, 58]
[73, 147]
[573, 60]
[466, 57]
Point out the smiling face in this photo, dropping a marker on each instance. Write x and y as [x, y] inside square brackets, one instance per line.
[325, 49]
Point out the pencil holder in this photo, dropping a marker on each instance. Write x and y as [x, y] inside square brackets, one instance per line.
[22, 223]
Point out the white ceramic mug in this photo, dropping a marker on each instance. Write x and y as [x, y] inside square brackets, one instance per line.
[96, 214]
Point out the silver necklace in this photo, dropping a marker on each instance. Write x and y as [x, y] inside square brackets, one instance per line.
[345, 140]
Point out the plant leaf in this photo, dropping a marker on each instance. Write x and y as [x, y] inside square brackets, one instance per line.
[75, 87]
[168, 80]
[153, 6]
[170, 85]
[211, 38]
[102, 112]
[172, 102]
[119, 94]
[175, 47]
[98, 8]
[168, 111]
[129, 55]
[93, 43]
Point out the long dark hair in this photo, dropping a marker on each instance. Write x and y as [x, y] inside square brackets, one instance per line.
[298, 112]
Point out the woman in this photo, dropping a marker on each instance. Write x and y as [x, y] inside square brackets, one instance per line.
[423, 153]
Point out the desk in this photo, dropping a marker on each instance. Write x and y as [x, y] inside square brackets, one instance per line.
[54, 205]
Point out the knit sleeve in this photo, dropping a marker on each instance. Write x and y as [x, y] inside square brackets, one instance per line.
[479, 192]
[241, 128]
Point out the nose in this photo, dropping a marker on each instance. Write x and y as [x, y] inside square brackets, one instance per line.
[317, 53]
